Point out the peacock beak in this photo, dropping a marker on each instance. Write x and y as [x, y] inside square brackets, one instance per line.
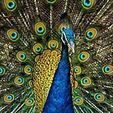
[71, 46]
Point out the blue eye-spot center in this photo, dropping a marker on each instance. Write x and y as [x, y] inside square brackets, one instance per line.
[98, 96]
[85, 80]
[29, 69]
[107, 69]
[87, 3]
[82, 56]
[38, 49]
[40, 30]
[20, 80]
[14, 35]
[89, 34]
[30, 101]
[9, 97]
[76, 70]
[53, 45]
[23, 56]
[77, 100]
[11, 5]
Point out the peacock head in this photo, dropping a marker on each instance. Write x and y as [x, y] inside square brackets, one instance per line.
[68, 38]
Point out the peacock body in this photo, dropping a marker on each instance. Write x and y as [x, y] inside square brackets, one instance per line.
[56, 56]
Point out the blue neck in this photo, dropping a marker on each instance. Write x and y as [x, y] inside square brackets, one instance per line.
[60, 97]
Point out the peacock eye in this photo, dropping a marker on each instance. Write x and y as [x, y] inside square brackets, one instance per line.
[28, 69]
[99, 97]
[2, 70]
[13, 35]
[77, 70]
[91, 34]
[51, 1]
[108, 69]
[21, 56]
[10, 5]
[40, 28]
[61, 27]
[53, 44]
[78, 100]
[9, 98]
[19, 80]
[86, 81]
[38, 48]
[29, 102]
[83, 56]
[87, 4]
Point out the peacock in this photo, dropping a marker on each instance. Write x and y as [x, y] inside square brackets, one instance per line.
[56, 56]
